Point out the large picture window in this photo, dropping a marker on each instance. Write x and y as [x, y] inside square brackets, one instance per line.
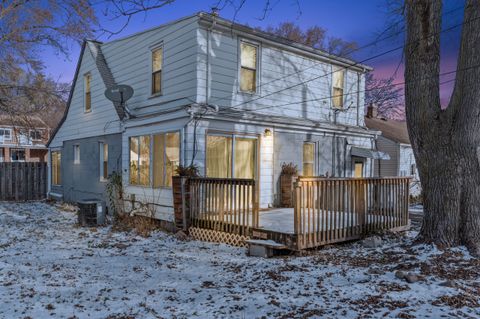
[56, 168]
[157, 57]
[161, 152]
[308, 159]
[230, 156]
[338, 80]
[248, 67]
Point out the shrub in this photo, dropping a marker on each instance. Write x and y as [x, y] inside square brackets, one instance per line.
[289, 169]
[188, 171]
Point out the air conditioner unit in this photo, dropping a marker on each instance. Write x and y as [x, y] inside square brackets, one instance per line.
[91, 212]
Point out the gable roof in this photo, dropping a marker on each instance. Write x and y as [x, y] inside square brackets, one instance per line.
[105, 72]
[393, 130]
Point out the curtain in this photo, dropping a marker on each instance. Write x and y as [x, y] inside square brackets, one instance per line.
[219, 156]
[245, 157]
[308, 159]
[134, 160]
[144, 166]
[172, 156]
[158, 159]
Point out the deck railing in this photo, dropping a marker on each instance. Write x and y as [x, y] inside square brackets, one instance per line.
[329, 210]
[224, 204]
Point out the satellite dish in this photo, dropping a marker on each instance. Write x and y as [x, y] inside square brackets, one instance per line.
[119, 93]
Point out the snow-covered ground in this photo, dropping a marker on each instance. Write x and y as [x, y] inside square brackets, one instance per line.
[50, 268]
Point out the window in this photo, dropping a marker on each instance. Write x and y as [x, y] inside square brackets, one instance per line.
[140, 160]
[88, 94]
[35, 135]
[6, 134]
[413, 170]
[308, 159]
[157, 56]
[17, 155]
[56, 165]
[162, 150]
[338, 83]
[103, 151]
[2, 158]
[358, 168]
[231, 156]
[248, 67]
[166, 158]
[76, 154]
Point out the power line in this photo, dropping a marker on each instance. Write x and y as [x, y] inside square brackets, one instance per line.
[352, 51]
[371, 89]
[354, 64]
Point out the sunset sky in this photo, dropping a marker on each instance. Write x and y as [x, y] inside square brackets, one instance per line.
[359, 21]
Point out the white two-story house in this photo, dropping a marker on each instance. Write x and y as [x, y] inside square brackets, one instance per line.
[235, 101]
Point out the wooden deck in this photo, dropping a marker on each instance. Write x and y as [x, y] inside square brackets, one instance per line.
[326, 210]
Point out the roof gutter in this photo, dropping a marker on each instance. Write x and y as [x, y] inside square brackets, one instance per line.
[225, 25]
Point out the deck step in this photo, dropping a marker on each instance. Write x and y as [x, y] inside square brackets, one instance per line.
[263, 248]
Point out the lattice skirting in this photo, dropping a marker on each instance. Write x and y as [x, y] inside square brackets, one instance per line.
[218, 237]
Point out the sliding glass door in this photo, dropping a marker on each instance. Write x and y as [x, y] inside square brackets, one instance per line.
[231, 156]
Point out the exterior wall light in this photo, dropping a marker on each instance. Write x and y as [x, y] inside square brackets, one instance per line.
[268, 132]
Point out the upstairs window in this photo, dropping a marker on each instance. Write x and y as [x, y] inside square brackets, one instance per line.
[157, 57]
[308, 159]
[338, 87]
[88, 94]
[56, 171]
[35, 135]
[248, 67]
[5, 134]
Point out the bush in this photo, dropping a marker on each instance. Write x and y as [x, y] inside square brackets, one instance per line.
[289, 169]
[188, 171]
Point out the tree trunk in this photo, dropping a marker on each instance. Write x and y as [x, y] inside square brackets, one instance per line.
[446, 142]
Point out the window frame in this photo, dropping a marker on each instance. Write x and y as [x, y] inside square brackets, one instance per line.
[358, 160]
[87, 95]
[58, 181]
[335, 70]
[76, 154]
[35, 130]
[6, 129]
[154, 48]
[314, 160]
[233, 136]
[12, 150]
[151, 158]
[257, 65]
[102, 162]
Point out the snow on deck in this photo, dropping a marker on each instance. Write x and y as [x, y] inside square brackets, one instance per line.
[282, 220]
[50, 268]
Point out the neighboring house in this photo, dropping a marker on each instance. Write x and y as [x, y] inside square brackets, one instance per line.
[235, 101]
[395, 142]
[23, 139]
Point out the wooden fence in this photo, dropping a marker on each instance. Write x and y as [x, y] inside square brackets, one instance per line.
[224, 204]
[23, 181]
[329, 210]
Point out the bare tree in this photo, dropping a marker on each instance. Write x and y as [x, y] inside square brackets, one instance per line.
[26, 28]
[387, 96]
[315, 37]
[446, 142]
